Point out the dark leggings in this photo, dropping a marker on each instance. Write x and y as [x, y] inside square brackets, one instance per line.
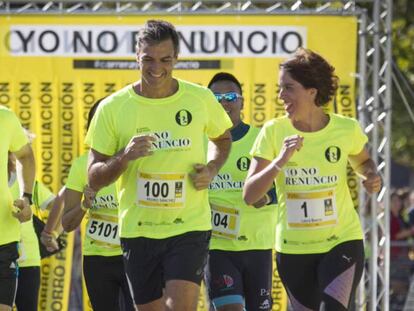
[329, 278]
[28, 288]
[106, 281]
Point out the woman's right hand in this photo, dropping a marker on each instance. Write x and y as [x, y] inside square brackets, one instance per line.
[290, 145]
[88, 197]
[49, 241]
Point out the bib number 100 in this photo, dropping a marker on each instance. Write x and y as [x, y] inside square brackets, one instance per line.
[156, 189]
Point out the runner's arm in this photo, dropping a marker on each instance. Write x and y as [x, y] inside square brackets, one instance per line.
[26, 168]
[72, 212]
[260, 179]
[54, 221]
[365, 168]
[104, 170]
[218, 152]
[25, 175]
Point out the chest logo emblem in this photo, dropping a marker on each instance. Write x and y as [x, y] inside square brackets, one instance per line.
[333, 154]
[183, 117]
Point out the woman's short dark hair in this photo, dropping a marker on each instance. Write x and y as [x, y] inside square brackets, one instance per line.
[313, 71]
[225, 76]
[156, 31]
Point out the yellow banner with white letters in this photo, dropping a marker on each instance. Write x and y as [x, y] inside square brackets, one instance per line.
[53, 68]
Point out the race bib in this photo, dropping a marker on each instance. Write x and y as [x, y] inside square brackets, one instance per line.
[311, 209]
[161, 190]
[225, 222]
[103, 229]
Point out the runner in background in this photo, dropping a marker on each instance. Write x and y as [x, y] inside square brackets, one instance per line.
[239, 268]
[11, 214]
[103, 266]
[29, 260]
[320, 252]
[151, 135]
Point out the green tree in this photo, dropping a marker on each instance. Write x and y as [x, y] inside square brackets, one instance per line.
[403, 52]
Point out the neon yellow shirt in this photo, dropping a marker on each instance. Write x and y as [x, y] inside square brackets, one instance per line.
[101, 236]
[236, 225]
[29, 244]
[157, 198]
[315, 207]
[12, 139]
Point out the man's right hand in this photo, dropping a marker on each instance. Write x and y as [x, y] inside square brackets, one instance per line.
[139, 146]
[22, 210]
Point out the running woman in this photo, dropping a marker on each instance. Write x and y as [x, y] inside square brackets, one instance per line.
[319, 240]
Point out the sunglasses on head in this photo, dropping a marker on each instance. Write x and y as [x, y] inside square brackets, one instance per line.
[230, 96]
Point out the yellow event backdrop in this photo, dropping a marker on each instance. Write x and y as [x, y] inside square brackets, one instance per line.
[53, 68]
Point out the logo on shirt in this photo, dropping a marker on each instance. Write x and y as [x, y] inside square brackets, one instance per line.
[333, 154]
[183, 117]
[165, 140]
[105, 201]
[243, 164]
[225, 181]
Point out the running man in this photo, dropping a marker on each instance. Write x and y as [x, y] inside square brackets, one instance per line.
[320, 252]
[239, 269]
[103, 267]
[151, 135]
[14, 140]
[27, 295]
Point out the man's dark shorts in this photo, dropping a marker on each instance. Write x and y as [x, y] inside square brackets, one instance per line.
[150, 263]
[8, 273]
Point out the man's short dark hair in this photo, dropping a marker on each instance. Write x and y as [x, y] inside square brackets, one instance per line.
[156, 31]
[92, 111]
[225, 76]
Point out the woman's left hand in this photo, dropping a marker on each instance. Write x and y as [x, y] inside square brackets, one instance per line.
[372, 183]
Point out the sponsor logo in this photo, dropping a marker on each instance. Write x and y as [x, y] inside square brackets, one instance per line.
[228, 280]
[264, 292]
[164, 140]
[183, 117]
[243, 164]
[265, 305]
[307, 176]
[225, 181]
[333, 154]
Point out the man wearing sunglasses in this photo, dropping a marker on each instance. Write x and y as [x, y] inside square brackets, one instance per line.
[239, 269]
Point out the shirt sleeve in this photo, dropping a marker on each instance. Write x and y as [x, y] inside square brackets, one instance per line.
[218, 120]
[18, 138]
[263, 146]
[101, 134]
[359, 139]
[77, 176]
[44, 196]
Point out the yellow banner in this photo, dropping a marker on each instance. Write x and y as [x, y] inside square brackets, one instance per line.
[55, 279]
[64, 65]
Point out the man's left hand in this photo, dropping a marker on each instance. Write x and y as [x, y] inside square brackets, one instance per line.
[203, 175]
